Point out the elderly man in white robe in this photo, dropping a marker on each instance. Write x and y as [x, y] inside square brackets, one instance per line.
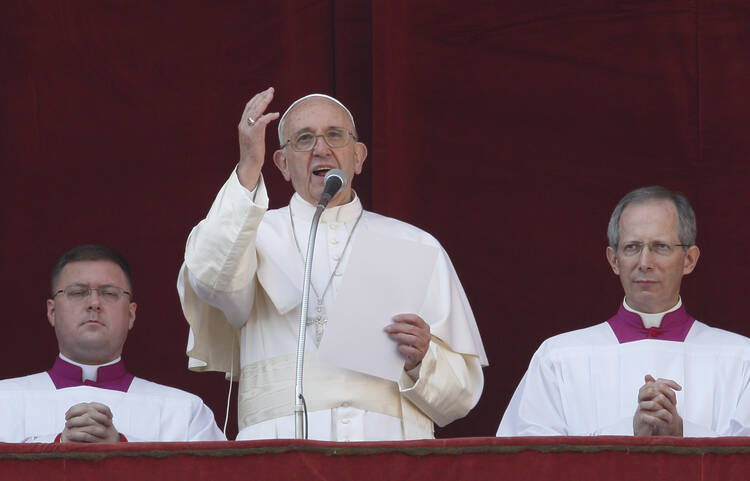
[652, 369]
[87, 395]
[241, 287]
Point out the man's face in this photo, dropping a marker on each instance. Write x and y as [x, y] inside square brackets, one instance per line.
[91, 330]
[306, 170]
[651, 281]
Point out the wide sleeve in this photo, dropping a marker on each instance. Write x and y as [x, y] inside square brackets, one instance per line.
[449, 384]
[739, 424]
[536, 406]
[450, 379]
[203, 426]
[216, 283]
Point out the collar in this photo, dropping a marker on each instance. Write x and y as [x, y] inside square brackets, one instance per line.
[649, 319]
[113, 376]
[628, 326]
[340, 213]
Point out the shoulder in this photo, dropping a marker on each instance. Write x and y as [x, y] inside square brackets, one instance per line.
[588, 337]
[275, 227]
[149, 388]
[275, 217]
[702, 333]
[391, 227]
[40, 380]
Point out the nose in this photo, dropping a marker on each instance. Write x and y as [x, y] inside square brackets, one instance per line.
[646, 259]
[320, 148]
[94, 301]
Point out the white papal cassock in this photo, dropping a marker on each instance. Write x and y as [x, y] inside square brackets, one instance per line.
[586, 382]
[32, 408]
[241, 290]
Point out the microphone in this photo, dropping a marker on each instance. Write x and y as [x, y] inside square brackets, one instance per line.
[335, 181]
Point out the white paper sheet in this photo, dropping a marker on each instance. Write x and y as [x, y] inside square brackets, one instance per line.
[384, 277]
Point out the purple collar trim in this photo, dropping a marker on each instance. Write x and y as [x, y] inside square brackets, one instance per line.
[628, 326]
[114, 376]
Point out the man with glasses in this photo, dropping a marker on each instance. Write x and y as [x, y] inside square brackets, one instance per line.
[87, 395]
[652, 369]
[241, 289]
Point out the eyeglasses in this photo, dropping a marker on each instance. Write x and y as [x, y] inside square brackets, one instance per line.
[335, 137]
[78, 293]
[658, 248]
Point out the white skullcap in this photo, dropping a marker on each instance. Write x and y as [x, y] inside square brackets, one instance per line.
[336, 101]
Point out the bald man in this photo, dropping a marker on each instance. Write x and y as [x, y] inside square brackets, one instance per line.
[241, 286]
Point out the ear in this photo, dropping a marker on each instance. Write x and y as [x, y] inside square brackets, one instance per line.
[131, 319]
[360, 154]
[691, 259]
[279, 158]
[51, 312]
[612, 259]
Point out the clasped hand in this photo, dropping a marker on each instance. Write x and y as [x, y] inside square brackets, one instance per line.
[657, 409]
[89, 423]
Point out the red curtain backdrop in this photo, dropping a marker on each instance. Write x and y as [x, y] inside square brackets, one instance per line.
[507, 129]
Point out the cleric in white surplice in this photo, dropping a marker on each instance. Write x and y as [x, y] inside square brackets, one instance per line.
[87, 395]
[652, 369]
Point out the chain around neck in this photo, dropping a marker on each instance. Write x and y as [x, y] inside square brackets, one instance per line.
[302, 256]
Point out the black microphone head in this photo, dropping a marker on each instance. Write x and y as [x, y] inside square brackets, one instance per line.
[334, 174]
[335, 181]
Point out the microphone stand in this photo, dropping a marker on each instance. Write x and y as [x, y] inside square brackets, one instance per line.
[335, 181]
[300, 427]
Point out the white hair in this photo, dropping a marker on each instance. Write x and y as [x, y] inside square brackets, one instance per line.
[282, 122]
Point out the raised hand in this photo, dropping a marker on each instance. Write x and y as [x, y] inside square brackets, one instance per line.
[252, 137]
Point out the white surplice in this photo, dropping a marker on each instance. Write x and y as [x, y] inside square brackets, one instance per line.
[585, 382]
[33, 410]
[241, 287]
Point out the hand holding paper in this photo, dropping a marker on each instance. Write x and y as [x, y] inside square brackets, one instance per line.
[412, 335]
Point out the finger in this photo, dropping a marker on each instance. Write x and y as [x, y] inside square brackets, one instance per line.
[654, 390]
[257, 105]
[102, 408]
[672, 384]
[97, 431]
[80, 436]
[104, 419]
[665, 390]
[77, 410]
[661, 419]
[412, 319]
[75, 436]
[649, 378]
[411, 353]
[396, 328]
[89, 418]
[409, 340]
[265, 119]
[653, 406]
[416, 327]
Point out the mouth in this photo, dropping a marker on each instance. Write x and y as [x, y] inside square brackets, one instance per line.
[92, 321]
[322, 171]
